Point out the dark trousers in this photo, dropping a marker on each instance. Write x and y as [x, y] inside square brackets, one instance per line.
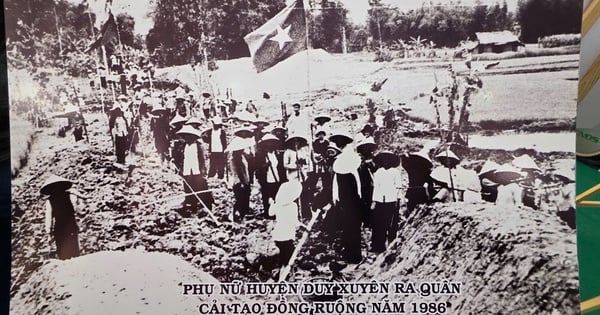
[415, 196]
[241, 194]
[351, 233]
[382, 220]
[120, 148]
[268, 190]
[286, 249]
[306, 198]
[66, 236]
[197, 183]
[217, 164]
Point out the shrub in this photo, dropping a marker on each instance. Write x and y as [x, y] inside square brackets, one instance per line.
[560, 40]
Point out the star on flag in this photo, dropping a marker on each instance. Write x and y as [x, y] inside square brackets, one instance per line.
[279, 38]
[282, 36]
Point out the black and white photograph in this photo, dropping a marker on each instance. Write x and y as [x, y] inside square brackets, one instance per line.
[293, 156]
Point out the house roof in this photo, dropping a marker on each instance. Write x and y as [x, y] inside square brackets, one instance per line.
[497, 38]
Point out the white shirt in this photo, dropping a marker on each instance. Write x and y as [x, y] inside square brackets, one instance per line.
[120, 127]
[191, 164]
[215, 140]
[386, 185]
[290, 157]
[286, 221]
[299, 125]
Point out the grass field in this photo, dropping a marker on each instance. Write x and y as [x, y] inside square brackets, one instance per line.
[517, 89]
[544, 95]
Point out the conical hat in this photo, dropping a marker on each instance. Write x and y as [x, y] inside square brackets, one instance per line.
[488, 167]
[278, 130]
[505, 174]
[157, 108]
[245, 116]
[441, 174]
[341, 138]
[238, 143]
[346, 163]
[269, 140]
[366, 145]
[421, 158]
[294, 140]
[387, 159]
[177, 120]
[243, 132]
[525, 162]
[288, 192]
[55, 183]
[193, 121]
[260, 122]
[189, 130]
[322, 118]
[447, 156]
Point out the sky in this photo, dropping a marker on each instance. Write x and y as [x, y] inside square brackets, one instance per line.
[139, 9]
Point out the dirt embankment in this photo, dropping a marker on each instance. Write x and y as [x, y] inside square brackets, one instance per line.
[131, 282]
[509, 260]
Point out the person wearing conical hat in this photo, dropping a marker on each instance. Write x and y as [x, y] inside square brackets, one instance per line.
[188, 157]
[217, 143]
[418, 167]
[120, 131]
[346, 196]
[60, 216]
[239, 181]
[365, 148]
[269, 169]
[285, 211]
[160, 129]
[530, 182]
[387, 199]
[296, 162]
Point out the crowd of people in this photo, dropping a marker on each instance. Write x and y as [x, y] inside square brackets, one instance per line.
[301, 165]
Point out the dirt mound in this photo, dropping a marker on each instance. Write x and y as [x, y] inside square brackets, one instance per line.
[509, 260]
[132, 282]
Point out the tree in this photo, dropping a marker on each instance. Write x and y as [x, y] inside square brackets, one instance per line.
[445, 25]
[126, 24]
[189, 31]
[328, 26]
[539, 18]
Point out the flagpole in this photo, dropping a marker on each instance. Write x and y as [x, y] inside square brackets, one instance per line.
[307, 50]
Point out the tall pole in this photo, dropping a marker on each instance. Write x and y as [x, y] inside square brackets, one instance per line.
[58, 30]
[344, 43]
[307, 50]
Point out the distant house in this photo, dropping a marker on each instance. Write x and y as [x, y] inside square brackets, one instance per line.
[496, 42]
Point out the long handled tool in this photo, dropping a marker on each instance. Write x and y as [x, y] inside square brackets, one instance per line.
[286, 270]
[212, 216]
[181, 195]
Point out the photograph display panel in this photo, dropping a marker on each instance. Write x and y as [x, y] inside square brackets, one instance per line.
[287, 157]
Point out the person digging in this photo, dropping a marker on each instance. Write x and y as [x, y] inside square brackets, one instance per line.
[285, 209]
